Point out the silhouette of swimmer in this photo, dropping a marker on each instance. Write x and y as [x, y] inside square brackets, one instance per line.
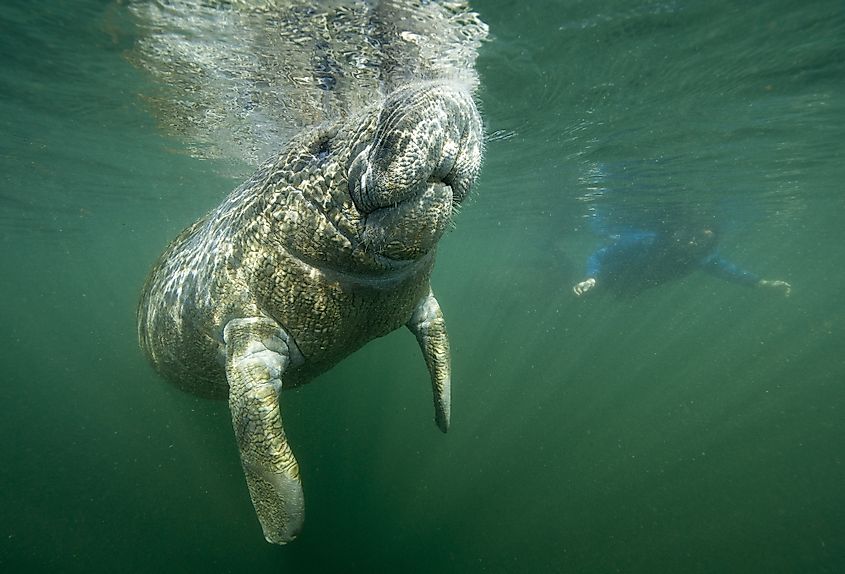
[638, 260]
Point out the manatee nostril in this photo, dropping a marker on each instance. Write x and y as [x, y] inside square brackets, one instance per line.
[358, 185]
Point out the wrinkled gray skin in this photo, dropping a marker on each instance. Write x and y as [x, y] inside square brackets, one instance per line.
[323, 249]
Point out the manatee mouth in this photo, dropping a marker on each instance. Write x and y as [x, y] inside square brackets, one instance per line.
[410, 228]
[368, 202]
[433, 195]
[372, 189]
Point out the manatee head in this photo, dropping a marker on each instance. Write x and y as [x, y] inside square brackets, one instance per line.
[375, 192]
[416, 168]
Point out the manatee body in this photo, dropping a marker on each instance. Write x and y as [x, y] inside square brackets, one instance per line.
[323, 249]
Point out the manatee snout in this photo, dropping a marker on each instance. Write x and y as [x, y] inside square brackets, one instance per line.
[427, 134]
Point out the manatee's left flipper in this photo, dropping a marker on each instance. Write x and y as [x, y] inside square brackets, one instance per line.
[428, 325]
[257, 353]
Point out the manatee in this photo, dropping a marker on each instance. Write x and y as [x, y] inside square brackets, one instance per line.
[327, 246]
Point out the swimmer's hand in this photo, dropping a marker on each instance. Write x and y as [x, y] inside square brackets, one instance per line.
[584, 286]
[777, 284]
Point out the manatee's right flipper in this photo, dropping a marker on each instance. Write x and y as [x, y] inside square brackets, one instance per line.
[257, 354]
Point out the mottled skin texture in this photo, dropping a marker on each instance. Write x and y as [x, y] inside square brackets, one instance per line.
[324, 249]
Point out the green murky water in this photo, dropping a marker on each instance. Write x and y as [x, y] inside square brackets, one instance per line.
[697, 427]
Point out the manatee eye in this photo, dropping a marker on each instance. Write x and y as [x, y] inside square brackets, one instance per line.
[322, 148]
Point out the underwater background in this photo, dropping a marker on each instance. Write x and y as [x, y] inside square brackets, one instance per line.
[696, 427]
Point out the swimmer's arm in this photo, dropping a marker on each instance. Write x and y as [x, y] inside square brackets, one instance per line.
[630, 242]
[721, 267]
[584, 286]
[594, 263]
[785, 287]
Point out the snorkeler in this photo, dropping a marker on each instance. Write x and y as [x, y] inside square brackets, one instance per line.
[637, 260]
